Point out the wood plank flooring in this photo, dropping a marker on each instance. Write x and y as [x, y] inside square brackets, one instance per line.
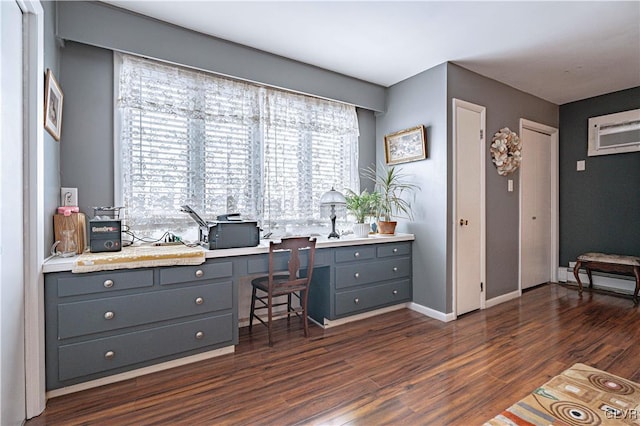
[396, 368]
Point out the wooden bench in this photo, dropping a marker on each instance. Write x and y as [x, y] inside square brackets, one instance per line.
[619, 264]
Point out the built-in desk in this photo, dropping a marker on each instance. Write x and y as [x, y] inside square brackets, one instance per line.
[108, 325]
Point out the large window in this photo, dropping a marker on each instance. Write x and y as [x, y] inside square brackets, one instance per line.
[223, 146]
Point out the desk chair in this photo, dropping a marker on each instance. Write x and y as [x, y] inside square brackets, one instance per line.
[284, 283]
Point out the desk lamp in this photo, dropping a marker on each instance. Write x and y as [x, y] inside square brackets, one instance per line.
[333, 202]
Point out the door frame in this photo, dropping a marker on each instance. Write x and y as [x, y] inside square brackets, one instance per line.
[34, 250]
[552, 132]
[454, 190]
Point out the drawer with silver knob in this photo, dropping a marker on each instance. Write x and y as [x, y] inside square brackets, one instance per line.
[372, 297]
[371, 272]
[105, 356]
[112, 313]
[393, 249]
[112, 281]
[206, 271]
[354, 254]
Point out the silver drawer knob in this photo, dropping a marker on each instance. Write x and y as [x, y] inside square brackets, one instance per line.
[356, 254]
[395, 292]
[199, 300]
[356, 300]
[395, 269]
[109, 355]
[357, 275]
[395, 250]
[108, 284]
[108, 315]
[199, 335]
[199, 273]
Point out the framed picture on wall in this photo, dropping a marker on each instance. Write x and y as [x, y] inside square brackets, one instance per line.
[52, 105]
[406, 145]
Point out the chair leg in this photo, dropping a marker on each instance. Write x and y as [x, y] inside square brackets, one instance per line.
[253, 308]
[288, 309]
[270, 317]
[305, 321]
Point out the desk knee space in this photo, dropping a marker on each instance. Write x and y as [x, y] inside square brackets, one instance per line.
[619, 264]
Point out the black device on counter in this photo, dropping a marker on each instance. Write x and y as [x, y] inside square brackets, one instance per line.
[227, 231]
[105, 230]
[105, 235]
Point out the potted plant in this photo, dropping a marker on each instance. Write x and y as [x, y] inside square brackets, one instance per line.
[362, 206]
[393, 187]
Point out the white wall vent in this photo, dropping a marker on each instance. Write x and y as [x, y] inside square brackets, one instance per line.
[614, 133]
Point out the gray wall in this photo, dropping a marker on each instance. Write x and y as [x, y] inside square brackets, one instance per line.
[51, 147]
[101, 25]
[422, 100]
[86, 154]
[426, 99]
[505, 106]
[599, 207]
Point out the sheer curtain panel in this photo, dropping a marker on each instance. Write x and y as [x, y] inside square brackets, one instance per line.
[224, 146]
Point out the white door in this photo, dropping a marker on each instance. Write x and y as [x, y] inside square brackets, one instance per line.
[536, 214]
[469, 262]
[12, 364]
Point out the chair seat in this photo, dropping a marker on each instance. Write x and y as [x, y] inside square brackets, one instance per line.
[279, 285]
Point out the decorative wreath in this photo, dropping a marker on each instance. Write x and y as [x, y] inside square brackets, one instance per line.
[506, 151]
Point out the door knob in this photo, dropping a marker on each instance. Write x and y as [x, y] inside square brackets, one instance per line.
[463, 222]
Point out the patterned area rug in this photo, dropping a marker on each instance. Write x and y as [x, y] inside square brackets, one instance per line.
[581, 395]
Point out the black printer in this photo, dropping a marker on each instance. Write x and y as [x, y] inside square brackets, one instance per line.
[227, 231]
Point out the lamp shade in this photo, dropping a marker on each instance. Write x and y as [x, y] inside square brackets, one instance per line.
[332, 197]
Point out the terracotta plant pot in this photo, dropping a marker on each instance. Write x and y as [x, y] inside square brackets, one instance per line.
[387, 228]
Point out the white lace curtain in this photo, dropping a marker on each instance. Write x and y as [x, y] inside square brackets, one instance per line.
[223, 146]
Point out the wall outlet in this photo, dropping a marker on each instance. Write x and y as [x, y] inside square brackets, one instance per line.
[68, 197]
[510, 185]
[580, 165]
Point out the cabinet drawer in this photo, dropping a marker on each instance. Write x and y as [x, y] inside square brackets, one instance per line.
[112, 313]
[206, 271]
[351, 254]
[393, 249]
[104, 282]
[366, 298]
[369, 272]
[82, 359]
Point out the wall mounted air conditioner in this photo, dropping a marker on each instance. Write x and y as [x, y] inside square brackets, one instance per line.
[614, 133]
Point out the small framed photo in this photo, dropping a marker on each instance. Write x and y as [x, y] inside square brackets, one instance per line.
[406, 145]
[52, 105]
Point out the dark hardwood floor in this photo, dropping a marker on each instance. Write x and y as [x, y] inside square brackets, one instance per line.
[396, 368]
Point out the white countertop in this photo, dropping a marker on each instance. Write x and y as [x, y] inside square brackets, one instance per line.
[61, 264]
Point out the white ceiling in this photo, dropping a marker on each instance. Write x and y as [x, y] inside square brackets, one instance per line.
[559, 51]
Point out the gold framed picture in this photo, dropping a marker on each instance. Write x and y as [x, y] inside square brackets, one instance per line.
[406, 145]
[52, 105]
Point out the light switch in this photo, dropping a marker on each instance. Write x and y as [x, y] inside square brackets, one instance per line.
[510, 185]
[580, 165]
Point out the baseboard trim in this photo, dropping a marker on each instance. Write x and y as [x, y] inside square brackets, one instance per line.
[358, 317]
[502, 298]
[432, 313]
[140, 372]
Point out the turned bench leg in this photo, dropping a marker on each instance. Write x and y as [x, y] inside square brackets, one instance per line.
[636, 272]
[576, 273]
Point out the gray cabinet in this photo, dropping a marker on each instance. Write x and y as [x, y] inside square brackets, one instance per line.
[104, 323]
[100, 324]
[362, 278]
